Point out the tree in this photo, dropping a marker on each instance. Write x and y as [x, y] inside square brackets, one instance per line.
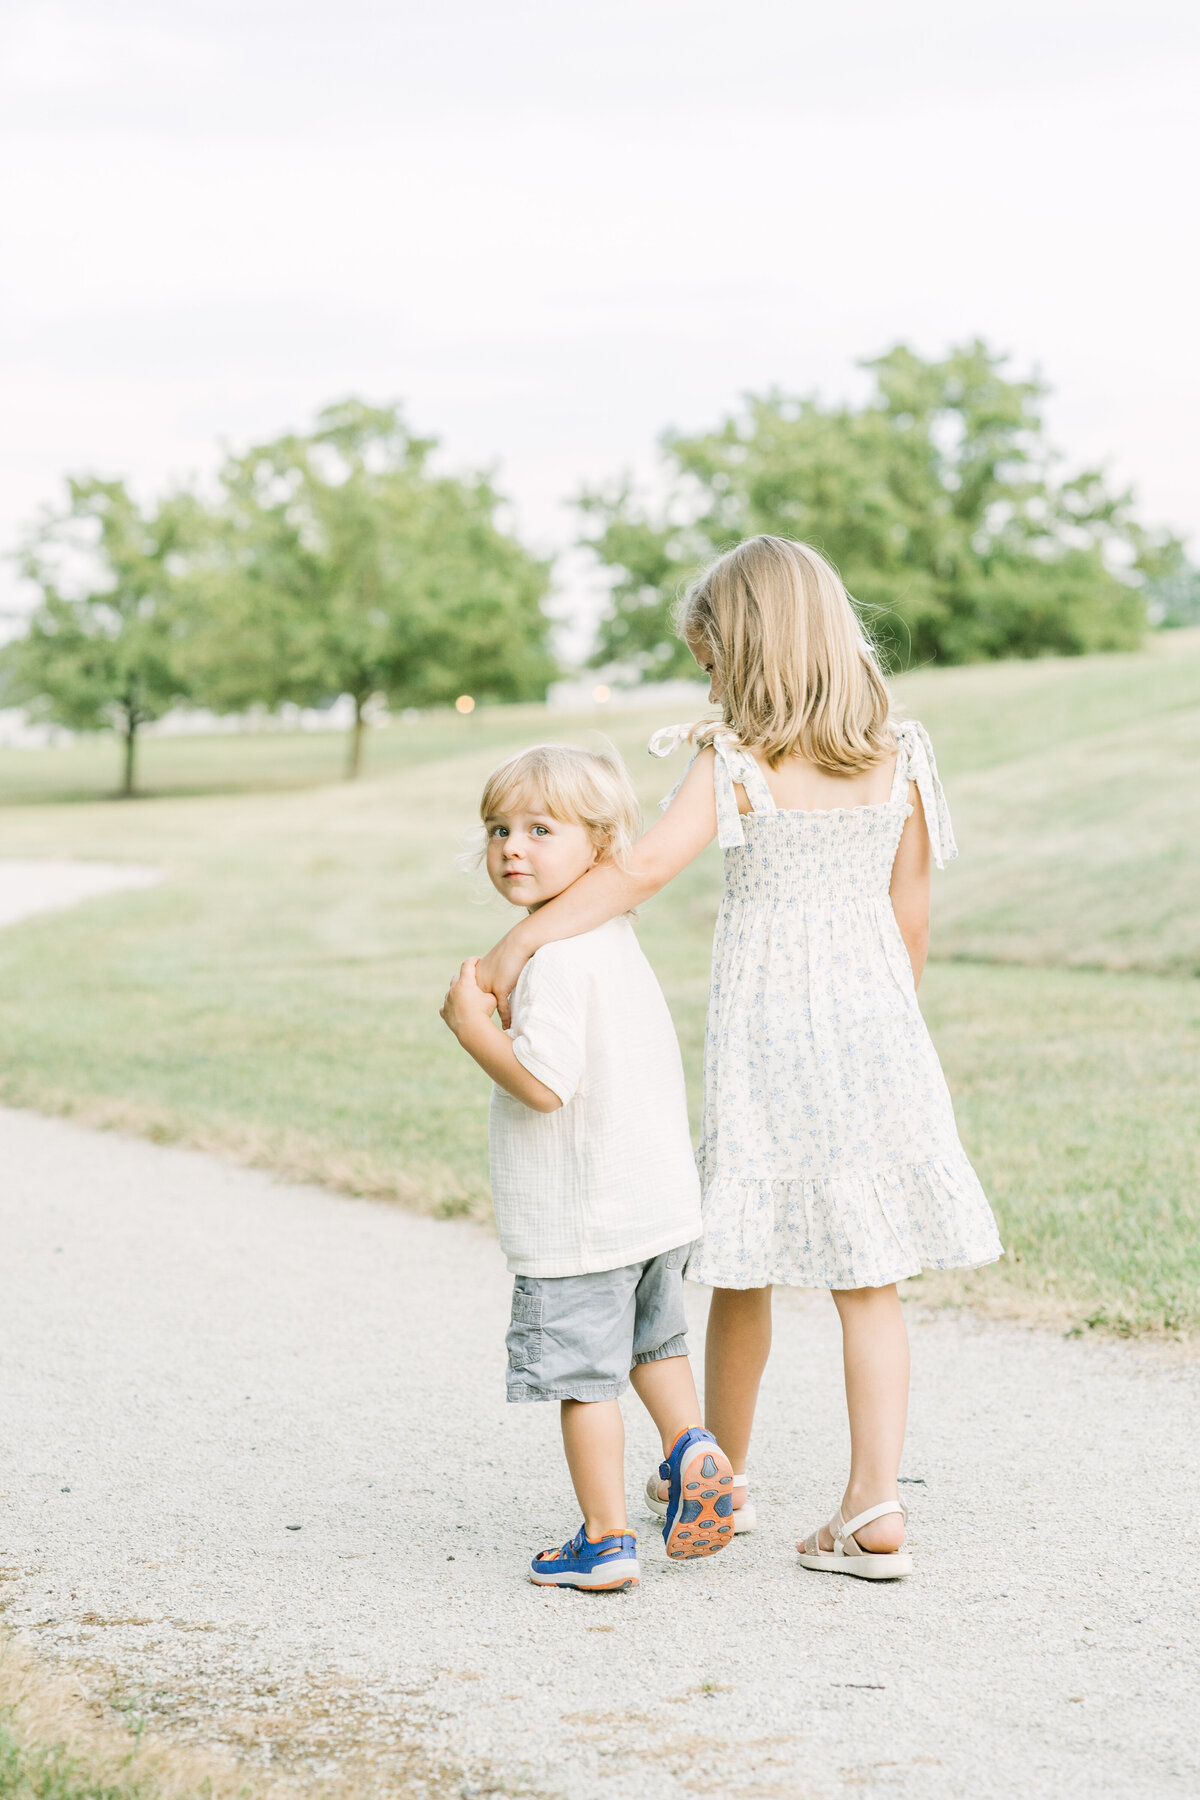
[938, 500]
[1174, 593]
[101, 648]
[339, 564]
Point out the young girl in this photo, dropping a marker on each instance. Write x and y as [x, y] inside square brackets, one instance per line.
[829, 1155]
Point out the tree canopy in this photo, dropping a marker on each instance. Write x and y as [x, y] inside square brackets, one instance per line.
[938, 499]
[338, 563]
[103, 644]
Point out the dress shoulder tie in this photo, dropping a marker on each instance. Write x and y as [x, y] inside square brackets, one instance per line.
[916, 762]
[731, 766]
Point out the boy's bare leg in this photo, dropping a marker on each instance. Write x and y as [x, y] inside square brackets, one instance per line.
[667, 1390]
[736, 1346]
[594, 1440]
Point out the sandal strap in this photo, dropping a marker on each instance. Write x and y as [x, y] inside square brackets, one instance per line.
[740, 1481]
[850, 1526]
[842, 1531]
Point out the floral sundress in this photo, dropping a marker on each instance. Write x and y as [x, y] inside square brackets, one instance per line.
[829, 1155]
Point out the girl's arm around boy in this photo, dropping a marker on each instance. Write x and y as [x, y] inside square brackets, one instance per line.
[687, 827]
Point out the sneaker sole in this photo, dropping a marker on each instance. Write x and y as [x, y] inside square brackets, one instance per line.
[705, 1478]
[744, 1519]
[584, 1584]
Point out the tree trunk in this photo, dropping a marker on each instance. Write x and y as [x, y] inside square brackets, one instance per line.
[354, 746]
[128, 761]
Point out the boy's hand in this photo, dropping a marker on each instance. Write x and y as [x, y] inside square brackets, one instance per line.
[466, 1003]
[501, 968]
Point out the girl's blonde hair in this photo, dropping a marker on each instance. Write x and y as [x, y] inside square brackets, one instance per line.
[583, 787]
[788, 652]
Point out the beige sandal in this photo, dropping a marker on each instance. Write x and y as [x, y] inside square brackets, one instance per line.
[848, 1557]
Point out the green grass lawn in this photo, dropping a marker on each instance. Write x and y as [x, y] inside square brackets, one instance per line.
[277, 996]
[246, 761]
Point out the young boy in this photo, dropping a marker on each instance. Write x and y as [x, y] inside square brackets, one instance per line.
[593, 1178]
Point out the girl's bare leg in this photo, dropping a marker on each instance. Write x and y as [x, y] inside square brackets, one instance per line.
[875, 1355]
[736, 1347]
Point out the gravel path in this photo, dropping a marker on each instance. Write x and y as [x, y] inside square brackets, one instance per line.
[194, 1358]
[50, 885]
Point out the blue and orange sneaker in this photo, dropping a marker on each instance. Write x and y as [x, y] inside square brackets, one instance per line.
[599, 1566]
[699, 1479]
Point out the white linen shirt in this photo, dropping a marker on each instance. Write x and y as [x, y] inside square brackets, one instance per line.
[610, 1177]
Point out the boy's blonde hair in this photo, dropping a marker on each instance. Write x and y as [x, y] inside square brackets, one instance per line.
[787, 649]
[583, 787]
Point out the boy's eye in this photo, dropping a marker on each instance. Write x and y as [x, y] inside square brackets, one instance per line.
[541, 831]
[499, 830]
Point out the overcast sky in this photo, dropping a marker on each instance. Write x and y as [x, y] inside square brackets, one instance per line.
[552, 230]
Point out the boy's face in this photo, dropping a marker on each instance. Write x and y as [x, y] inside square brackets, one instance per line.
[532, 856]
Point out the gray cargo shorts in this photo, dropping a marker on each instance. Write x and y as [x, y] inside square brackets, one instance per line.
[576, 1337]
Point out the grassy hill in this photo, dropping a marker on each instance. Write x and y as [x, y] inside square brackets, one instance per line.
[277, 997]
[1077, 808]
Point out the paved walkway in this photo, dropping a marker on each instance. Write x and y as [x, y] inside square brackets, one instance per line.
[195, 1359]
[52, 885]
